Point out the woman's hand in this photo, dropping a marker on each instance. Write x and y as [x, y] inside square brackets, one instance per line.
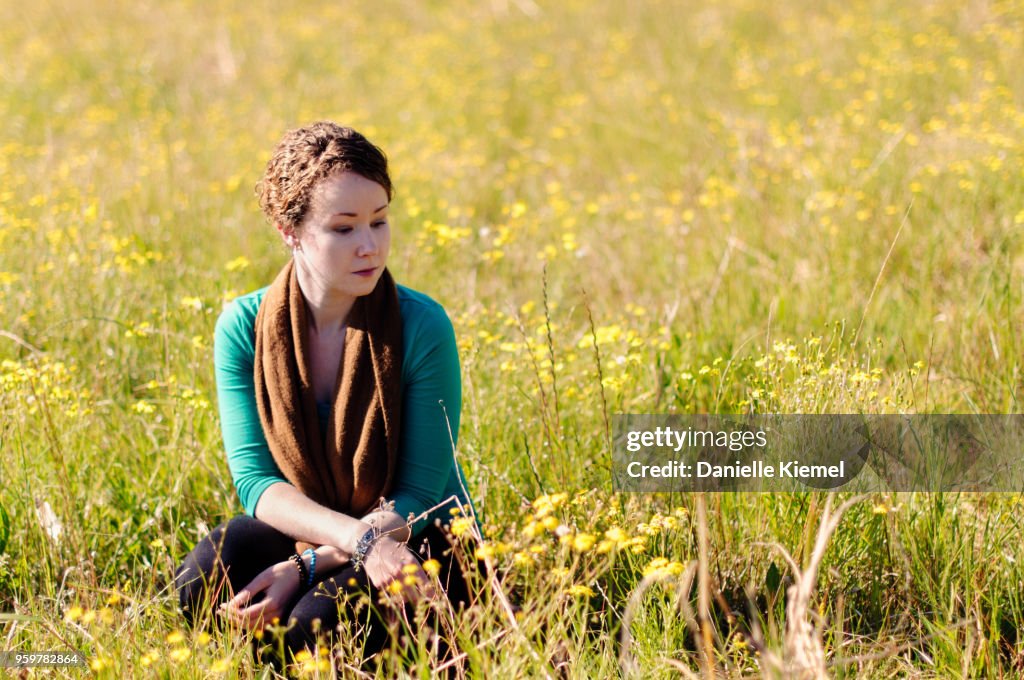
[278, 583]
[388, 561]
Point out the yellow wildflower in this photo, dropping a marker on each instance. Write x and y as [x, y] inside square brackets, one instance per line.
[616, 534]
[461, 525]
[547, 504]
[237, 264]
[583, 542]
[315, 666]
[190, 302]
[579, 590]
[662, 566]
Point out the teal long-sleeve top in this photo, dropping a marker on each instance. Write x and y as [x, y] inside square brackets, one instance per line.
[427, 470]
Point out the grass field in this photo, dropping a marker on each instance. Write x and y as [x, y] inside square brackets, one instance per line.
[735, 206]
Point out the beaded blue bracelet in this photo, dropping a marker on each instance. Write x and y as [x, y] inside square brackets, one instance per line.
[312, 565]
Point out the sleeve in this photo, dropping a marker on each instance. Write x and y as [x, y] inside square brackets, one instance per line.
[426, 460]
[249, 459]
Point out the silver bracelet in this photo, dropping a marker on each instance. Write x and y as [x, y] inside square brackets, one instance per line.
[362, 546]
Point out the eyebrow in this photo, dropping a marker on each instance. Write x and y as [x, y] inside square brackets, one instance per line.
[351, 214]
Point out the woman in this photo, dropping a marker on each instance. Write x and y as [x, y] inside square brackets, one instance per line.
[339, 396]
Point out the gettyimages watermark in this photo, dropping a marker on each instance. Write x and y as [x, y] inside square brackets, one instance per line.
[826, 452]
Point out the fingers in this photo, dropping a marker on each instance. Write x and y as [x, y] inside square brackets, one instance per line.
[243, 596]
[398, 573]
[239, 600]
[248, 615]
[236, 610]
[277, 584]
[256, 616]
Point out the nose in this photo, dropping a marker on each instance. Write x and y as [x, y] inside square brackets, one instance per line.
[367, 244]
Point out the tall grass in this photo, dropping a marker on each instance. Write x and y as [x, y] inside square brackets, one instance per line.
[624, 207]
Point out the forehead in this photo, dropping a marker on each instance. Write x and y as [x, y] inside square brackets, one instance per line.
[348, 192]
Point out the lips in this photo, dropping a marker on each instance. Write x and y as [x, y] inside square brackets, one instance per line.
[366, 272]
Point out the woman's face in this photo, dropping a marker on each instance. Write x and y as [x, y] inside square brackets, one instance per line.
[344, 239]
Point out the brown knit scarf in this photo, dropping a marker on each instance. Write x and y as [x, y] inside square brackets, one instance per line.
[354, 467]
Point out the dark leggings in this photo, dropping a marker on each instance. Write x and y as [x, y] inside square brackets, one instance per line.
[236, 551]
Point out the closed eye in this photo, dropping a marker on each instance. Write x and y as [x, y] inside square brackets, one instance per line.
[345, 230]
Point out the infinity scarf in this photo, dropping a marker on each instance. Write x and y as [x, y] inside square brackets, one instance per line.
[353, 467]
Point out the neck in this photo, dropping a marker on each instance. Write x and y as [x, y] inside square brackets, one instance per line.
[328, 309]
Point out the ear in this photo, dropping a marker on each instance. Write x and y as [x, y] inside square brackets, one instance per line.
[291, 239]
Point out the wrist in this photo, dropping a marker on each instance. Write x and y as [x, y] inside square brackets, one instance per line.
[347, 535]
[363, 546]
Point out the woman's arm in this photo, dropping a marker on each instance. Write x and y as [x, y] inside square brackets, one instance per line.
[249, 459]
[291, 512]
[434, 378]
[288, 510]
[391, 523]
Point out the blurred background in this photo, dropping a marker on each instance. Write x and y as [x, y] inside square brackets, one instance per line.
[624, 207]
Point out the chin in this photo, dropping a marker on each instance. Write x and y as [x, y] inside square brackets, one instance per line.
[368, 288]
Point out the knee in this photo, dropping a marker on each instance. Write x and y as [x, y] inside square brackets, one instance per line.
[189, 582]
[234, 536]
[202, 573]
[241, 535]
[242, 524]
[247, 536]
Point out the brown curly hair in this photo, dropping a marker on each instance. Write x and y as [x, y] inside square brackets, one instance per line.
[305, 156]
